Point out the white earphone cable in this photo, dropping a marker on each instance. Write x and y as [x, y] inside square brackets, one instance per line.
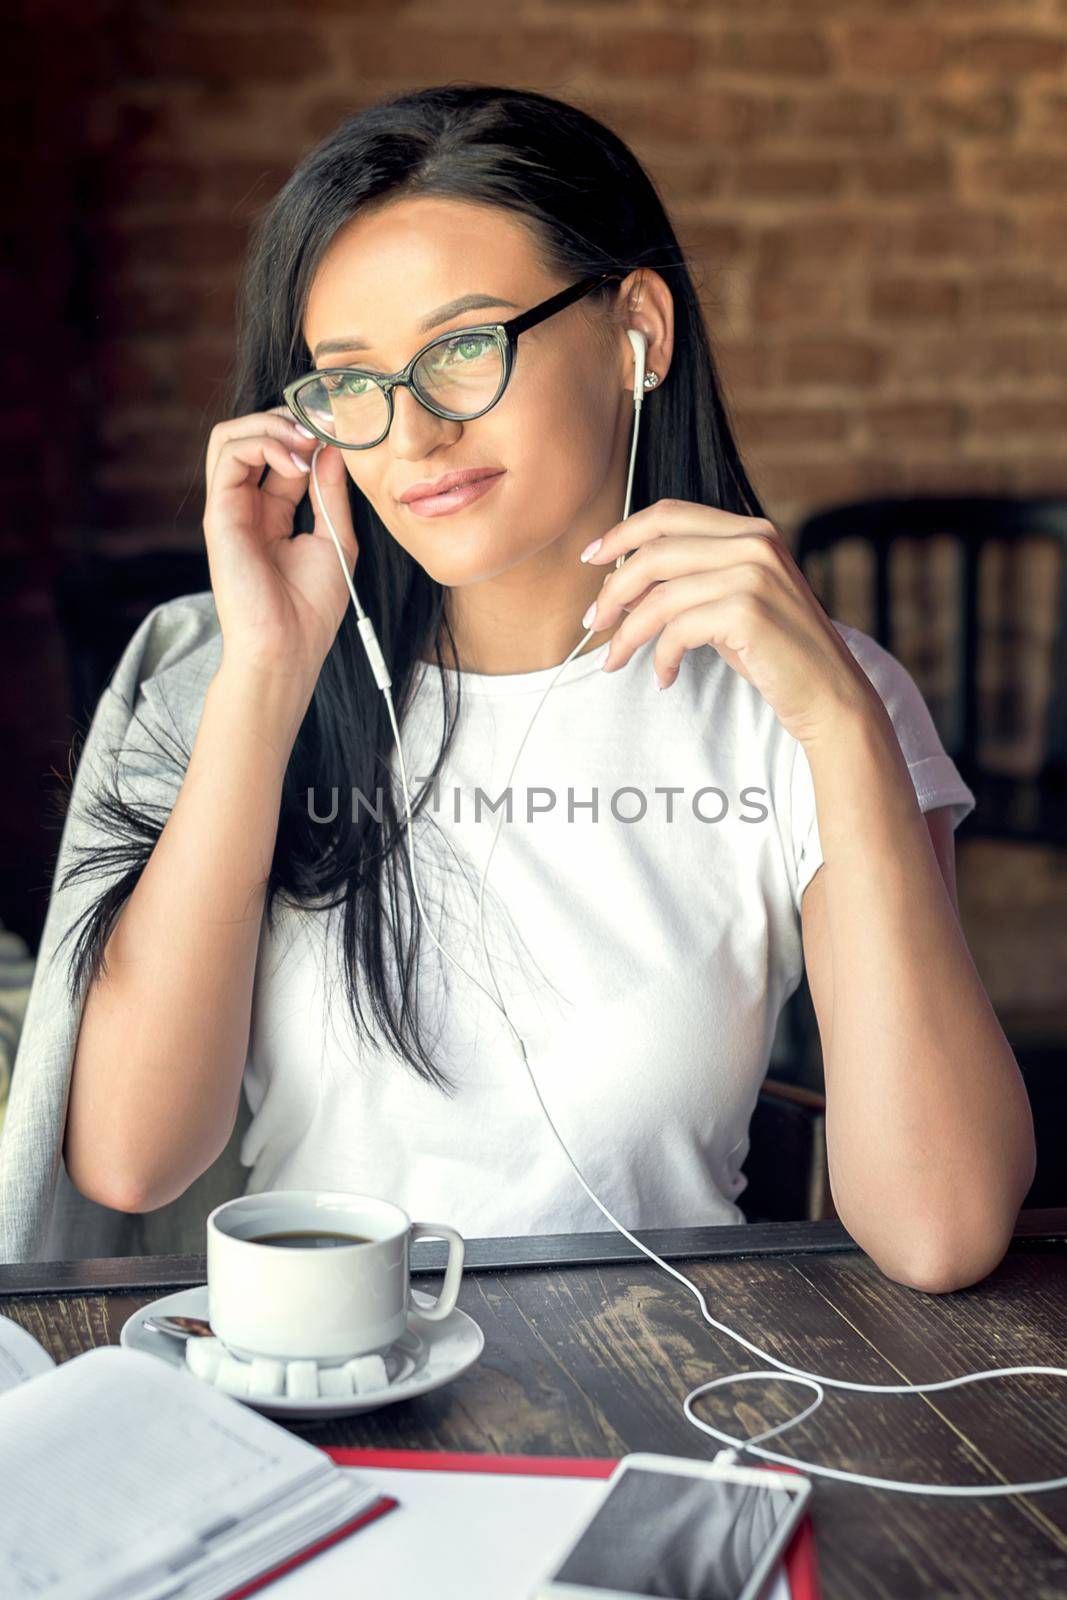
[813, 1381]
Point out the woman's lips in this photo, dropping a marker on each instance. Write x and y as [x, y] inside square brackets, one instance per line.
[439, 505]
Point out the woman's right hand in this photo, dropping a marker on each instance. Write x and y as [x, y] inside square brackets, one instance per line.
[280, 600]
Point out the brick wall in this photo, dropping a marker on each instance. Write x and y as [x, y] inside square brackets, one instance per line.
[873, 193]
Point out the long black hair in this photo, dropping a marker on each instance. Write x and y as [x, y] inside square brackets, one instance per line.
[589, 205]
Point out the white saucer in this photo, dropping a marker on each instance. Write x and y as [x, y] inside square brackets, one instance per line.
[428, 1355]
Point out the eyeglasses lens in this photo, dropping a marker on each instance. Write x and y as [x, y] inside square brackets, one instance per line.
[463, 376]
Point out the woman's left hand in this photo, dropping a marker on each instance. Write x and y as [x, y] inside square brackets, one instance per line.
[699, 575]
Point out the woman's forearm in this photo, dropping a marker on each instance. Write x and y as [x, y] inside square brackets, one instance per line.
[929, 1131]
[164, 1033]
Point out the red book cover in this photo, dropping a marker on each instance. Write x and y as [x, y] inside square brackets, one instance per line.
[799, 1559]
[383, 1504]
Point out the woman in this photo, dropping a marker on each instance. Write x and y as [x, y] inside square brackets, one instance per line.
[644, 951]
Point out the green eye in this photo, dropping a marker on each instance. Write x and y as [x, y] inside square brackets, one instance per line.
[463, 349]
[337, 383]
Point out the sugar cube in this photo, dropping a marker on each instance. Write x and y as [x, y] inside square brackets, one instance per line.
[368, 1373]
[302, 1380]
[335, 1380]
[266, 1378]
[202, 1356]
[232, 1375]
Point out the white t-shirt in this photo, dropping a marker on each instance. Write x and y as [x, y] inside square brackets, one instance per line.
[650, 949]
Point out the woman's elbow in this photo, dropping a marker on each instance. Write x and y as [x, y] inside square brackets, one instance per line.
[950, 1261]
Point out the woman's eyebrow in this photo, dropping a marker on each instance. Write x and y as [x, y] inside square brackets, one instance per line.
[466, 302]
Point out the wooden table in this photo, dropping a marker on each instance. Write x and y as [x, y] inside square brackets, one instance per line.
[591, 1348]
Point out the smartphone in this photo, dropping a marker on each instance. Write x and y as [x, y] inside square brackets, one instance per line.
[680, 1530]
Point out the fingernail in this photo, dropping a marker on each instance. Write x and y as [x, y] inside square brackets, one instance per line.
[591, 549]
[299, 426]
[301, 463]
[587, 620]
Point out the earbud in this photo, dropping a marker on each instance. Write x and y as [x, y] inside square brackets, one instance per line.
[640, 347]
[642, 380]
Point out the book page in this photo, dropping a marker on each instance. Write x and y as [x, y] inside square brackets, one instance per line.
[21, 1356]
[138, 1462]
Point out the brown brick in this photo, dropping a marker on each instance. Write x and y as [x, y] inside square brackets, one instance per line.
[949, 231]
[847, 114]
[640, 52]
[981, 358]
[647, 118]
[824, 299]
[785, 427]
[690, 175]
[787, 177]
[766, 51]
[915, 298]
[1010, 53]
[800, 485]
[737, 119]
[922, 422]
[1020, 416]
[641, 113]
[712, 241]
[947, 472]
[903, 172]
[747, 364]
[414, 55]
[892, 48]
[966, 114]
[826, 237]
[1033, 293]
[1038, 475]
[1047, 115]
[828, 360]
[1024, 173]
[1043, 232]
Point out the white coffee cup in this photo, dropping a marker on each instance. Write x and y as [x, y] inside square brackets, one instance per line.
[297, 1302]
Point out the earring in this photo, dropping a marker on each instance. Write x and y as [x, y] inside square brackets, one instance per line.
[651, 379]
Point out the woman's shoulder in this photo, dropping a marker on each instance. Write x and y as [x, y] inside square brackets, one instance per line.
[174, 651]
[173, 633]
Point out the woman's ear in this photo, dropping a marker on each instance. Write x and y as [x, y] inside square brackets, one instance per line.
[647, 306]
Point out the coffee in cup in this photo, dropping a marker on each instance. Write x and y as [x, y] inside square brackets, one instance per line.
[318, 1275]
[310, 1238]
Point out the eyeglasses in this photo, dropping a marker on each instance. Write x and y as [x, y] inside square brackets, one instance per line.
[459, 375]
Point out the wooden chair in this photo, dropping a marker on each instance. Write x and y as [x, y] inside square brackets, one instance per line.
[996, 627]
[788, 1176]
[977, 584]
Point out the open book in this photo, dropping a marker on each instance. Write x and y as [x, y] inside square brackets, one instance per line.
[123, 1478]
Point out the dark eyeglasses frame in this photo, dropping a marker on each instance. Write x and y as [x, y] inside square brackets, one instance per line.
[506, 335]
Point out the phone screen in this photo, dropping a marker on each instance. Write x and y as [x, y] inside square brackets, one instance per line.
[676, 1537]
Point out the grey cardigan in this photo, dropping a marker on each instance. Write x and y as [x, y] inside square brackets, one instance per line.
[159, 683]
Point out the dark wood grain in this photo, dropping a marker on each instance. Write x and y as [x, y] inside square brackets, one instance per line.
[596, 1359]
